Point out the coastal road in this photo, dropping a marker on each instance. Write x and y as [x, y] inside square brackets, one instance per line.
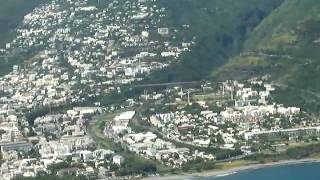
[166, 84]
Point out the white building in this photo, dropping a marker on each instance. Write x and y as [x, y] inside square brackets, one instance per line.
[117, 159]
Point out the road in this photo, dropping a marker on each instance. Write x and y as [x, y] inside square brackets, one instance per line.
[166, 84]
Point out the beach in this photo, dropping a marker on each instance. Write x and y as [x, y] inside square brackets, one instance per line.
[218, 172]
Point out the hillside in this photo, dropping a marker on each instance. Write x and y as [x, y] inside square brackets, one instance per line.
[11, 16]
[286, 45]
[220, 28]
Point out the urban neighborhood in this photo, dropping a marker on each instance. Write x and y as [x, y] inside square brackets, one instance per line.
[79, 106]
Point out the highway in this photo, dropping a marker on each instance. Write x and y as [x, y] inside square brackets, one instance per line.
[166, 84]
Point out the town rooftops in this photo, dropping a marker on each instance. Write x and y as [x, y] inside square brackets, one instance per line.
[17, 146]
[251, 134]
[125, 116]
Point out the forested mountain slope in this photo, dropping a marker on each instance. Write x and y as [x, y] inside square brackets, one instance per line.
[285, 45]
[11, 16]
[219, 27]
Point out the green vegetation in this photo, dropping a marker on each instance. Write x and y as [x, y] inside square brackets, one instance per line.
[11, 16]
[307, 100]
[198, 165]
[220, 28]
[280, 37]
[54, 169]
[299, 152]
[52, 177]
[133, 163]
[284, 45]
[95, 130]
[234, 164]
[292, 153]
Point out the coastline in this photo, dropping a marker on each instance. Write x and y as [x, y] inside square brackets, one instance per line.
[217, 172]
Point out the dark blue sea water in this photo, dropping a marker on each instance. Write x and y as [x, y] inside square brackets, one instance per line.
[307, 171]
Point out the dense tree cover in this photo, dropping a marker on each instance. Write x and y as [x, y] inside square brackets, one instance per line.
[136, 165]
[219, 27]
[291, 153]
[284, 45]
[198, 165]
[12, 13]
[11, 16]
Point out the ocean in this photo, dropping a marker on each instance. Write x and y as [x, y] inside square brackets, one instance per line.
[306, 171]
